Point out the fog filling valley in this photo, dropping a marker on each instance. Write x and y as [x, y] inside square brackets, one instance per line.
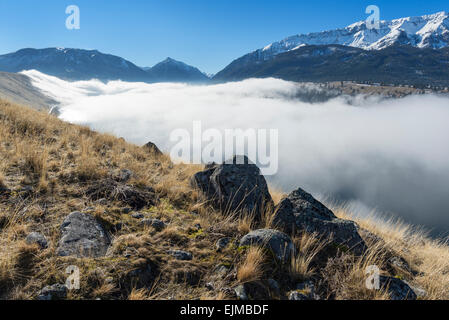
[389, 155]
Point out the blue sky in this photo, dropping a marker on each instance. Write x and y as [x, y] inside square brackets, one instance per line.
[207, 34]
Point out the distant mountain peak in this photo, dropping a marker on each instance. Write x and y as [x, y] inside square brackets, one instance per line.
[168, 60]
[170, 70]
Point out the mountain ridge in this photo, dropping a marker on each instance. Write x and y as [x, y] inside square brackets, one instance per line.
[80, 64]
[397, 65]
[422, 31]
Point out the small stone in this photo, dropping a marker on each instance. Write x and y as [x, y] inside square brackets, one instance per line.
[127, 210]
[180, 254]
[241, 292]
[296, 295]
[137, 215]
[157, 224]
[222, 244]
[54, 292]
[36, 237]
[210, 286]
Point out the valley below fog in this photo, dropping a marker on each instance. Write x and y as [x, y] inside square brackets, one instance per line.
[388, 155]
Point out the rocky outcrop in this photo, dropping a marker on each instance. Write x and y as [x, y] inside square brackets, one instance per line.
[275, 241]
[152, 148]
[235, 186]
[301, 212]
[82, 236]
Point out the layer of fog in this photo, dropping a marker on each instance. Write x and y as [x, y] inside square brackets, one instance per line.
[392, 155]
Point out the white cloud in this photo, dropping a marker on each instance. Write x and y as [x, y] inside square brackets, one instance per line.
[390, 154]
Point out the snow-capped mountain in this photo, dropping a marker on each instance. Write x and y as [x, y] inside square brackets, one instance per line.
[171, 70]
[428, 31]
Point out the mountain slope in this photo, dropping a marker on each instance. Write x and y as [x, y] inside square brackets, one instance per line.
[72, 64]
[393, 65]
[18, 89]
[171, 70]
[428, 31]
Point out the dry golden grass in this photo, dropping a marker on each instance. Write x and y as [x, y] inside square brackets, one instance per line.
[139, 294]
[309, 245]
[429, 257]
[60, 161]
[251, 269]
[277, 194]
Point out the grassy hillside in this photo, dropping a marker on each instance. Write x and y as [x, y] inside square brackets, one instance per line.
[49, 168]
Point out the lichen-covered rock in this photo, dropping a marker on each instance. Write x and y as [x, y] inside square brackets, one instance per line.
[397, 289]
[276, 241]
[82, 236]
[301, 212]
[138, 215]
[235, 186]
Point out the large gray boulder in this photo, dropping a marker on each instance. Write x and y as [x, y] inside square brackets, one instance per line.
[276, 241]
[235, 186]
[301, 212]
[82, 236]
[396, 288]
